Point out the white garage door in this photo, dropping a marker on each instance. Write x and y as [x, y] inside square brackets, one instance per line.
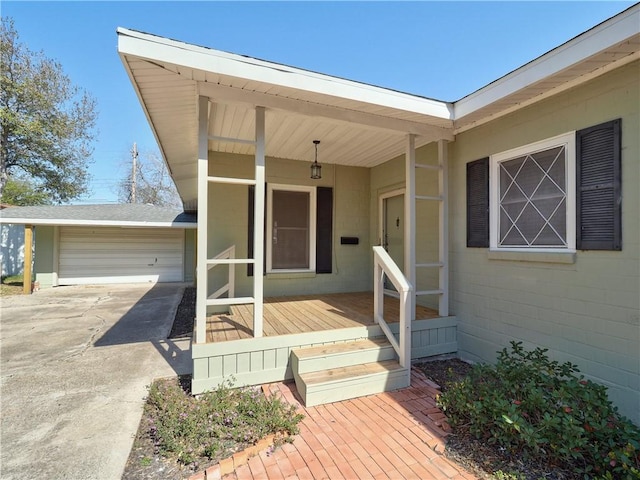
[119, 255]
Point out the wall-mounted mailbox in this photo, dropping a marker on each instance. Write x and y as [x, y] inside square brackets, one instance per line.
[349, 240]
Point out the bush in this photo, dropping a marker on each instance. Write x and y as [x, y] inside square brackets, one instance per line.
[534, 407]
[216, 422]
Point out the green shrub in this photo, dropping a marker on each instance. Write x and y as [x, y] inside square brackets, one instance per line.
[216, 422]
[534, 407]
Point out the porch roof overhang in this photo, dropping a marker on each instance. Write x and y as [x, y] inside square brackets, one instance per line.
[358, 124]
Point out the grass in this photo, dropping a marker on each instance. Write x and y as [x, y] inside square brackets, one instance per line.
[11, 285]
[216, 424]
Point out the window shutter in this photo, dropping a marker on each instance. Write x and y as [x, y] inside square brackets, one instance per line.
[478, 203]
[324, 229]
[598, 187]
[250, 220]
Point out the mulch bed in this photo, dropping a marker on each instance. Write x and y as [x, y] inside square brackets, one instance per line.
[185, 315]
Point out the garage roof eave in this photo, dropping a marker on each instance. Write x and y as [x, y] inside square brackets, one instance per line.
[129, 215]
[95, 223]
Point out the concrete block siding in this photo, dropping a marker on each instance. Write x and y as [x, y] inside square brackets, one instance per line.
[586, 312]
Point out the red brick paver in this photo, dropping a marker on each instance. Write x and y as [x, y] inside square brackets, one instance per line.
[393, 435]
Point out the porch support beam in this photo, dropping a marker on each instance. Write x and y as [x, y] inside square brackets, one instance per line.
[238, 95]
[201, 239]
[28, 259]
[258, 227]
[443, 227]
[410, 222]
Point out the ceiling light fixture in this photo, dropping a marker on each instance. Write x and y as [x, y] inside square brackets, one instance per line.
[316, 168]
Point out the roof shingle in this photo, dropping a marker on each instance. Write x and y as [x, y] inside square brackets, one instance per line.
[129, 214]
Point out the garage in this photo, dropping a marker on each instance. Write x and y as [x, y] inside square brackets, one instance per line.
[107, 244]
[120, 255]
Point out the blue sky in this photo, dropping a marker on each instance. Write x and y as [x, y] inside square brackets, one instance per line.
[443, 50]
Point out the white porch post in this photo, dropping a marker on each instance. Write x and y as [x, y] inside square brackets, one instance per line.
[443, 225]
[410, 222]
[201, 241]
[258, 228]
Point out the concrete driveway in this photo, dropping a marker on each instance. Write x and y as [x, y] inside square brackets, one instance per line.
[74, 366]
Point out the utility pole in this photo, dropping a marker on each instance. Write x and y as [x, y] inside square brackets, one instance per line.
[134, 155]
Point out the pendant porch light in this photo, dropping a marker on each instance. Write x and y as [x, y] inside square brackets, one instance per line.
[316, 168]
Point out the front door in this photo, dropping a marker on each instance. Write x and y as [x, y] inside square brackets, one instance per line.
[392, 227]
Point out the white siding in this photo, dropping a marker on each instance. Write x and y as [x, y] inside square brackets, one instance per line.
[120, 255]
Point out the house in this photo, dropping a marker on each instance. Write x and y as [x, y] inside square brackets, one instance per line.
[97, 244]
[509, 214]
[11, 248]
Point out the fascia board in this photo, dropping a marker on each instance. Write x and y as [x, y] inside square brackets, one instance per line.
[96, 223]
[611, 32]
[199, 58]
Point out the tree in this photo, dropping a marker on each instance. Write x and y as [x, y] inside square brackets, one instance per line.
[153, 184]
[20, 192]
[46, 123]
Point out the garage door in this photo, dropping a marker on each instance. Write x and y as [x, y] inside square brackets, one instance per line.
[119, 255]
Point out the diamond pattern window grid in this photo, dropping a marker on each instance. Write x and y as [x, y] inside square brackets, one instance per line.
[533, 200]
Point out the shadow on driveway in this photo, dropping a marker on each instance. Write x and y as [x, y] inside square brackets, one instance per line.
[150, 320]
[75, 366]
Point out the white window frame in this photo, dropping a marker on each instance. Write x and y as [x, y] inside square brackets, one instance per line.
[312, 226]
[569, 141]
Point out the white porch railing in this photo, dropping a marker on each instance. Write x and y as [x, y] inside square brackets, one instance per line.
[225, 257]
[383, 265]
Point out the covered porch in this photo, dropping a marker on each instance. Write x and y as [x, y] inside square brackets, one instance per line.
[238, 134]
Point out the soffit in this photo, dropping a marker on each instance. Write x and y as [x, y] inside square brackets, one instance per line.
[361, 130]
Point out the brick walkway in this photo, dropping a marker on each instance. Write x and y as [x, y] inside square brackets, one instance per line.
[394, 435]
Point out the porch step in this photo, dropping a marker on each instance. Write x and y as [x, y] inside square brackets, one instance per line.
[324, 357]
[331, 373]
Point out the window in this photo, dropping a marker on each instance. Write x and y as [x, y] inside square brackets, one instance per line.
[560, 194]
[533, 196]
[291, 228]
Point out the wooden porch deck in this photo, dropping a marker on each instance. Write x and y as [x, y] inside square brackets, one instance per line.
[303, 314]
